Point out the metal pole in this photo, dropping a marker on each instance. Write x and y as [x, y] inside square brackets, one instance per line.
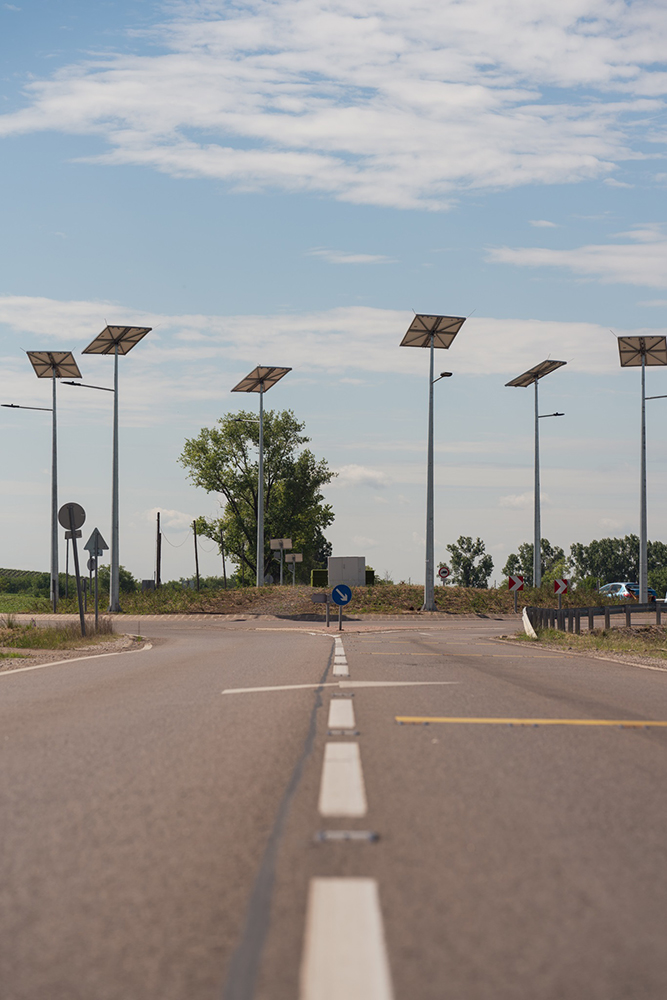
[54, 501]
[194, 530]
[67, 568]
[76, 570]
[222, 553]
[537, 533]
[260, 494]
[643, 528]
[340, 617]
[97, 602]
[429, 592]
[114, 582]
[281, 564]
[158, 554]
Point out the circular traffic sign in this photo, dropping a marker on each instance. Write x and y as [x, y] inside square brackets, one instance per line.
[91, 563]
[341, 594]
[78, 516]
[444, 572]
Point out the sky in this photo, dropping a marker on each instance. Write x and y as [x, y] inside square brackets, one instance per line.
[285, 183]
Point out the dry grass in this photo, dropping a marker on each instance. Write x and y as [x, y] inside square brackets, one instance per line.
[643, 640]
[31, 636]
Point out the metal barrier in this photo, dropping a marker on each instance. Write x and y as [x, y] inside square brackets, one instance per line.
[570, 618]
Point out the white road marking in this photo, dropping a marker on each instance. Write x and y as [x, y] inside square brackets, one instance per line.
[74, 659]
[341, 714]
[344, 955]
[340, 667]
[342, 791]
[327, 684]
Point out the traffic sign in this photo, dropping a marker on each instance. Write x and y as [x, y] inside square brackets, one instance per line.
[560, 586]
[96, 544]
[341, 594]
[444, 572]
[515, 582]
[78, 515]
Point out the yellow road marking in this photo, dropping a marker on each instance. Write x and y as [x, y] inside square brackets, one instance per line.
[633, 723]
[409, 654]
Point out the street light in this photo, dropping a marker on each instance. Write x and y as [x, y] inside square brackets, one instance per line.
[431, 332]
[53, 365]
[532, 377]
[115, 340]
[260, 380]
[635, 352]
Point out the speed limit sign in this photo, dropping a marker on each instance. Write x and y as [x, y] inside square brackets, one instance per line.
[443, 572]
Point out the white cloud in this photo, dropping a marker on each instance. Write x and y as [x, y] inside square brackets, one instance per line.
[543, 224]
[659, 303]
[609, 524]
[345, 257]
[360, 475]
[166, 369]
[641, 262]
[364, 543]
[378, 102]
[522, 501]
[175, 519]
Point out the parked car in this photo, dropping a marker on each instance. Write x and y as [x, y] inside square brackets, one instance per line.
[626, 591]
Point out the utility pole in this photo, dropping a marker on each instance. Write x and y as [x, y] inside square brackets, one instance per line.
[222, 553]
[158, 554]
[194, 529]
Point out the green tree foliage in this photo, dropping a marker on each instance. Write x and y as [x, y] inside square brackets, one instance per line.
[554, 562]
[470, 566]
[223, 460]
[127, 584]
[612, 560]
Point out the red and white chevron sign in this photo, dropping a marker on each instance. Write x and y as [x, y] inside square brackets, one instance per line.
[515, 582]
[560, 586]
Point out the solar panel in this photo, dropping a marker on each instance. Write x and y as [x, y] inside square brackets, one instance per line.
[48, 363]
[122, 337]
[632, 349]
[260, 379]
[442, 328]
[536, 373]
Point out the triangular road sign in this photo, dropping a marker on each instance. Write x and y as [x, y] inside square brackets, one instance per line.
[96, 544]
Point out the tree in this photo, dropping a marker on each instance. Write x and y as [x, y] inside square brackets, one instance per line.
[612, 560]
[554, 562]
[466, 572]
[221, 460]
[126, 582]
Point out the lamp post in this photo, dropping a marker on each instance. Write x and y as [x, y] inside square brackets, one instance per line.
[260, 380]
[532, 377]
[635, 352]
[431, 332]
[53, 365]
[115, 340]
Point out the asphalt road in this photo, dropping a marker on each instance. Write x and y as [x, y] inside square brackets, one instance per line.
[171, 833]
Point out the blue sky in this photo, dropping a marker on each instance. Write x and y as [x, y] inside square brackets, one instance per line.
[283, 183]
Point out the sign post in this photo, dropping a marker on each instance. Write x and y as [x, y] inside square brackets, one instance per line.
[71, 516]
[96, 546]
[291, 558]
[281, 544]
[560, 588]
[515, 584]
[341, 595]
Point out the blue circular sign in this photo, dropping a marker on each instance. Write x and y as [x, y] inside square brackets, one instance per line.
[341, 594]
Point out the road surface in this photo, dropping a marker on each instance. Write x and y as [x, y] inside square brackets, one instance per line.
[256, 811]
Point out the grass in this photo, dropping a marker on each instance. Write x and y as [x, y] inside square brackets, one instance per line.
[10, 656]
[393, 599]
[643, 640]
[66, 636]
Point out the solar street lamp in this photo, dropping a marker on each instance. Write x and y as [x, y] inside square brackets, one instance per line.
[431, 332]
[635, 352]
[115, 340]
[532, 377]
[260, 380]
[53, 365]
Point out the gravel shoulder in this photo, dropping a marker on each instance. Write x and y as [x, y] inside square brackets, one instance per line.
[34, 657]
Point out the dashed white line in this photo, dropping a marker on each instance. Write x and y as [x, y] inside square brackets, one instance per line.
[342, 791]
[341, 715]
[344, 955]
[340, 667]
